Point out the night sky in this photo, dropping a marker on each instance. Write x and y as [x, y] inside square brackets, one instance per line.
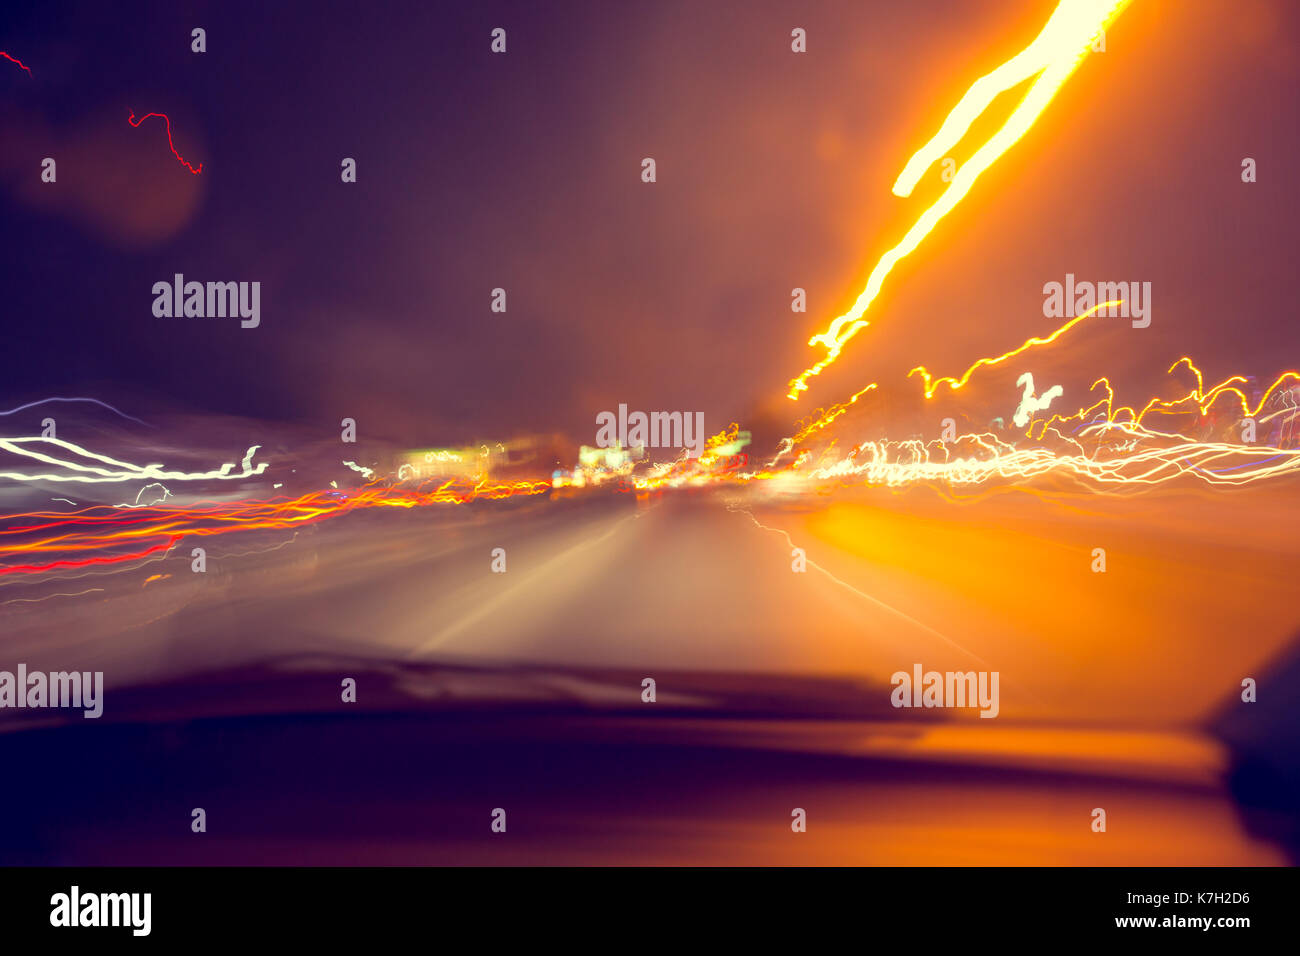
[523, 171]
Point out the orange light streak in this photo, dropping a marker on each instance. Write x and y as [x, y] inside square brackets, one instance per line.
[1053, 56]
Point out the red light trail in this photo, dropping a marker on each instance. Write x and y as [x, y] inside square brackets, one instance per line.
[14, 60]
[136, 122]
[70, 537]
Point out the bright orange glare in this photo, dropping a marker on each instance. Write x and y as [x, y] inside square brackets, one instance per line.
[1053, 56]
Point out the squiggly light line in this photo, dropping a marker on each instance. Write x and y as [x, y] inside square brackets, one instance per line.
[120, 470]
[136, 122]
[58, 398]
[931, 386]
[15, 60]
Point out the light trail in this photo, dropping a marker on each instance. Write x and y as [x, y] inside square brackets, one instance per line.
[982, 459]
[136, 123]
[48, 596]
[1053, 56]
[57, 398]
[118, 471]
[107, 537]
[1031, 402]
[15, 60]
[39, 536]
[1198, 398]
[863, 594]
[821, 421]
[1150, 457]
[932, 385]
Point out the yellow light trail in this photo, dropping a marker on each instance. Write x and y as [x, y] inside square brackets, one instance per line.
[1115, 454]
[816, 422]
[1054, 54]
[932, 385]
[1198, 397]
[974, 460]
[820, 421]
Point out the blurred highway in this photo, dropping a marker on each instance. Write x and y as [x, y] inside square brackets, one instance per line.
[1107, 682]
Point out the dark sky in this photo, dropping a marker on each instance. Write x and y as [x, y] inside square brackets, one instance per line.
[523, 171]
